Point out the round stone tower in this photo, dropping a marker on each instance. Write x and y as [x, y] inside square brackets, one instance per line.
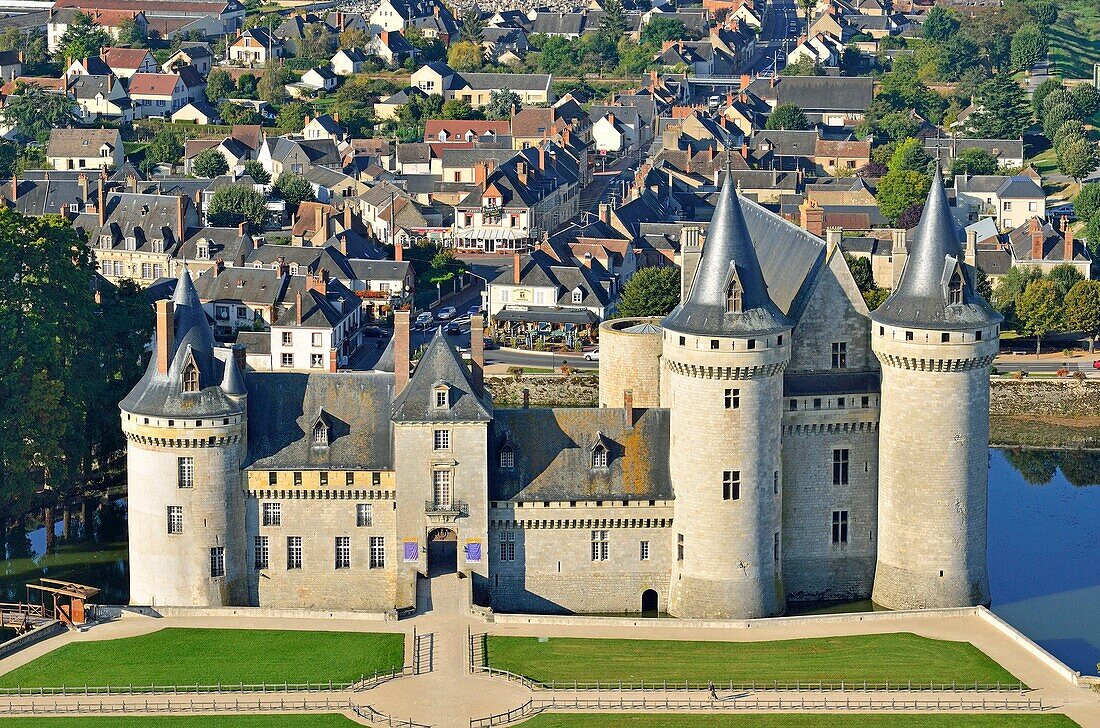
[725, 349]
[630, 354]
[935, 338]
[185, 425]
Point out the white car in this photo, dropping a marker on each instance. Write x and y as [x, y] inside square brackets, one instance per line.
[424, 320]
[593, 355]
[446, 313]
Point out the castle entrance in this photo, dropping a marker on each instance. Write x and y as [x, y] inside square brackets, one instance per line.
[442, 552]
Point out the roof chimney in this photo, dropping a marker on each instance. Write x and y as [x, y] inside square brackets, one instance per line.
[628, 407]
[1067, 240]
[14, 187]
[180, 232]
[813, 218]
[398, 251]
[400, 350]
[477, 350]
[298, 307]
[971, 253]
[82, 180]
[515, 268]
[1036, 239]
[102, 203]
[605, 213]
[333, 361]
[165, 334]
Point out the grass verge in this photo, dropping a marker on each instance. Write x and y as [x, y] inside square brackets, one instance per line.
[285, 720]
[184, 656]
[1075, 38]
[1038, 431]
[897, 720]
[896, 657]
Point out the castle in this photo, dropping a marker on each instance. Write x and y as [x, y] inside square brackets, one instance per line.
[769, 441]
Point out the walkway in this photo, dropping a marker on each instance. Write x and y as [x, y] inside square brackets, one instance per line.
[447, 695]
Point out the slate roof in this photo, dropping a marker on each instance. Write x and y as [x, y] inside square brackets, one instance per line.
[553, 455]
[802, 385]
[441, 363]
[511, 81]
[80, 142]
[1054, 249]
[283, 407]
[920, 297]
[818, 93]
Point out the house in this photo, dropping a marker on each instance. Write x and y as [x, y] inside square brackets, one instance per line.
[439, 25]
[348, 61]
[828, 100]
[610, 134]
[1010, 201]
[239, 147]
[11, 65]
[1037, 243]
[255, 47]
[111, 20]
[157, 94]
[286, 154]
[842, 157]
[505, 45]
[446, 131]
[125, 62]
[100, 97]
[387, 108]
[85, 149]
[168, 19]
[197, 112]
[330, 186]
[190, 53]
[477, 88]
[321, 329]
[325, 126]
[396, 15]
[543, 288]
[1009, 153]
[320, 78]
[391, 47]
[821, 49]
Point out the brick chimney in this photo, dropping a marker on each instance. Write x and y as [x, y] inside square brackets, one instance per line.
[180, 232]
[166, 332]
[628, 407]
[1067, 240]
[477, 350]
[102, 203]
[219, 265]
[398, 251]
[605, 213]
[744, 150]
[298, 307]
[400, 350]
[1036, 239]
[318, 282]
[516, 269]
[813, 218]
[542, 157]
[333, 361]
[82, 180]
[14, 187]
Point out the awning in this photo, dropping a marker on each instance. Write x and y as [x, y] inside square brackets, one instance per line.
[543, 314]
[490, 233]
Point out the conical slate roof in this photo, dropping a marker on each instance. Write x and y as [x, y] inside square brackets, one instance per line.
[727, 252]
[921, 298]
[233, 380]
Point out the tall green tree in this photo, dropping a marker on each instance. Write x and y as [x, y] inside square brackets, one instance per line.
[1029, 46]
[209, 163]
[939, 24]
[34, 112]
[789, 117]
[1078, 158]
[974, 161]
[32, 44]
[166, 147]
[1003, 111]
[1056, 115]
[613, 24]
[660, 29]
[651, 291]
[82, 39]
[219, 85]
[900, 190]
[1009, 289]
[256, 171]
[1039, 95]
[471, 26]
[1065, 276]
[1087, 202]
[1039, 309]
[502, 103]
[465, 55]
[1083, 310]
[233, 204]
[909, 155]
[295, 189]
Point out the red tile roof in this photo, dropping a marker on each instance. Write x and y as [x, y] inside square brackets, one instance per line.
[124, 57]
[153, 84]
[459, 128]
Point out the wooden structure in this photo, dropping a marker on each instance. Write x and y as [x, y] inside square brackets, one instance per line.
[69, 599]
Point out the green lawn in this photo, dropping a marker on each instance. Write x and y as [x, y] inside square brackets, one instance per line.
[863, 720]
[1075, 38]
[178, 656]
[283, 720]
[876, 658]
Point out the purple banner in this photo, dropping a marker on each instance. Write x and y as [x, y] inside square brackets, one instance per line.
[473, 551]
[412, 551]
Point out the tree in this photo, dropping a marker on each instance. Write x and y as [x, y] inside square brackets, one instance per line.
[353, 38]
[613, 24]
[1087, 202]
[1083, 310]
[464, 56]
[659, 29]
[1029, 46]
[295, 189]
[34, 112]
[472, 26]
[805, 66]
[256, 171]
[651, 291]
[899, 190]
[293, 115]
[272, 85]
[1086, 98]
[910, 217]
[83, 38]
[1065, 276]
[787, 116]
[1003, 112]
[1057, 115]
[1078, 158]
[130, 33]
[237, 114]
[457, 109]
[557, 56]
[431, 50]
[233, 204]
[974, 161]
[1046, 88]
[502, 103]
[166, 147]
[445, 267]
[210, 163]
[246, 85]
[219, 85]
[31, 44]
[1045, 13]
[1069, 131]
[317, 42]
[1039, 309]
[939, 24]
[861, 272]
[909, 155]
[1009, 289]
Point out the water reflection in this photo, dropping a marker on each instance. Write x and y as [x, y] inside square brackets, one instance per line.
[1044, 507]
[94, 555]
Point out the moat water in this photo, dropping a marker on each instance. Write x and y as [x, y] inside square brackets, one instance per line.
[1044, 571]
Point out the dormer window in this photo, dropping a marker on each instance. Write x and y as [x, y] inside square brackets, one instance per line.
[599, 456]
[320, 434]
[507, 458]
[441, 396]
[190, 377]
[202, 251]
[105, 241]
[158, 245]
[955, 290]
[578, 295]
[131, 242]
[734, 297]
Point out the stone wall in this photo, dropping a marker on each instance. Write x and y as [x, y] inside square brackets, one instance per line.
[579, 390]
[1045, 397]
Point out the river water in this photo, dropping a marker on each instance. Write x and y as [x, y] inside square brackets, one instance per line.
[1044, 569]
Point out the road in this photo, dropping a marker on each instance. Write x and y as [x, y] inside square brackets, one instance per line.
[780, 30]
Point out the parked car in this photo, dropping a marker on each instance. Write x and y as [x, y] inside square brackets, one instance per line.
[487, 343]
[424, 320]
[474, 311]
[446, 313]
[373, 332]
[593, 355]
[452, 329]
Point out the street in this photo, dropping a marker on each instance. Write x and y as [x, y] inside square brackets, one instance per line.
[780, 30]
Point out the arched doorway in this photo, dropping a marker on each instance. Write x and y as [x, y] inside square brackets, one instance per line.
[442, 552]
[649, 602]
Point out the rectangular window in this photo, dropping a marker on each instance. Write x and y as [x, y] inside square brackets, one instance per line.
[775, 546]
[343, 552]
[376, 479]
[261, 552]
[146, 270]
[643, 550]
[273, 515]
[441, 398]
[731, 484]
[840, 466]
[599, 545]
[441, 440]
[217, 561]
[185, 468]
[840, 526]
[507, 545]
[349, 479]
[441, 488]
[864, 402]
[272, 479]
[377, 552]
[288, 338]
[293, 552]
[775, 482]
[714, 343]
[287, 360]
[908, 335]
[298, 479]
[507, 458]
[840, 355]
[316, 361]
[317, 338]
[364, 515]
[733, 398]
[175, 519]
[679, 547]
[324, 478]
[817, 403]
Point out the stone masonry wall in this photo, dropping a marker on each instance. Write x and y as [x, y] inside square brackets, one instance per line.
[1045, 397]
[546, 391]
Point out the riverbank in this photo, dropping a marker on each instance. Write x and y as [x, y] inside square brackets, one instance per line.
[1045, 413]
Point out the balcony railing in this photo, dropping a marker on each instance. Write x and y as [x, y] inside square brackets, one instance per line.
[454, 508]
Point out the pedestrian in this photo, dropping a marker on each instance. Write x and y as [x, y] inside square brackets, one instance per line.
[713, 694]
